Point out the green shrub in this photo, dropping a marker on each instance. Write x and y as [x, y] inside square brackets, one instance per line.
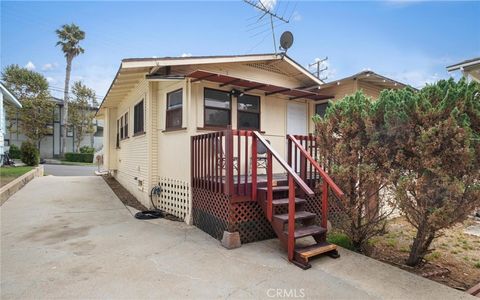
[79, 157]
[87, 149]
[29, 154]
[14, 152]
[340, 239]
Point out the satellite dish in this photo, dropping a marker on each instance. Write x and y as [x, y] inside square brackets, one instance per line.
[286, 40]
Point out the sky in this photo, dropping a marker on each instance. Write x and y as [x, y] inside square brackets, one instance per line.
[409, 41]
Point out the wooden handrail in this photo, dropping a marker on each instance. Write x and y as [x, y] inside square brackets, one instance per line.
[285, 165]
[338, 192]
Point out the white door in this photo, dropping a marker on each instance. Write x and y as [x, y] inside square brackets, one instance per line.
[297, 123]
[297, 118]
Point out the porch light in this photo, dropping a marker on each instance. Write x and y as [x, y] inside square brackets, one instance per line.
[236, 93]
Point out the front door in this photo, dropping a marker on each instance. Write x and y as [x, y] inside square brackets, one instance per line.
[297, 123]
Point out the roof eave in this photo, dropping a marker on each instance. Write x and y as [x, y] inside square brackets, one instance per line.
[10, 97]
[463, 64]
[160, 62]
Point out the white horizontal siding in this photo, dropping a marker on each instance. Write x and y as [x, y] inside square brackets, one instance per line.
[132, 156]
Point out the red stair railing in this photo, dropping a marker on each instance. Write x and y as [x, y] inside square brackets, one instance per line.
[304, 157]
[293, 178]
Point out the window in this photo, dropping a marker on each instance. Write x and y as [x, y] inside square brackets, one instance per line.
[122, 136]
[118, 133]
[49, 129]
[174, 109]
[124, 126]
[217, 108]
[321, 108]
[248, 108]
[56, 114]
[69, 131]
[138, 112]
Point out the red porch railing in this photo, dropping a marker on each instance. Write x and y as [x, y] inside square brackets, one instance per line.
[221, 162]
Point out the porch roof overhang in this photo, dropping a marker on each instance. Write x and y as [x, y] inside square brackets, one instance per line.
[246, 85]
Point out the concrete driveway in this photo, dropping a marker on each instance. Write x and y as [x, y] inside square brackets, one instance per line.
[69, 170]
[70, 237]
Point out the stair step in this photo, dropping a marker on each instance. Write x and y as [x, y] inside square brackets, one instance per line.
[316, 249]
[284, 201]
[280, 188]
[300, 215]
[307, 231]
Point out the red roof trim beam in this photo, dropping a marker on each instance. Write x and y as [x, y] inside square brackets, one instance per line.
[249, 85]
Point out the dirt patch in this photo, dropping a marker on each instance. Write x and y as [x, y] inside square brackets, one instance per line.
[56, 233]
[125, 196]
[454, 258]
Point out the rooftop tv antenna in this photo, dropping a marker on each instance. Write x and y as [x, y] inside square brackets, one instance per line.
[267, 10]
[319, 69]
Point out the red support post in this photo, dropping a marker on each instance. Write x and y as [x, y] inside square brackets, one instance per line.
[245, 185]
[239, 160]
[269, 186]
[229, 185]
[254, 167]
[291, 217]
[324, 204]
[192, 161]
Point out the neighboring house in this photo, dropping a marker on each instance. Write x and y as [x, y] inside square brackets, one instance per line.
[6, 96]
[470, 68]
[50, 144]
[369, 82]
[190, 126]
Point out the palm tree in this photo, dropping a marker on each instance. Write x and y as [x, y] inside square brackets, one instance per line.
[69, 37]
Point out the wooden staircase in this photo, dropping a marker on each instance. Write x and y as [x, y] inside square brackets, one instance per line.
[284, 205]
[305, 226]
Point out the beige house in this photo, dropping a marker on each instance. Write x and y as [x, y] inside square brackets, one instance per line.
[155, 105]
[228, 139]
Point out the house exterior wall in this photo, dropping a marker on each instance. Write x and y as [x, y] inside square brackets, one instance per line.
[340, 91]
[131, 158]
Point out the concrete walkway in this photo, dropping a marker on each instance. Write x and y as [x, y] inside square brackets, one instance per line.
[70, 237]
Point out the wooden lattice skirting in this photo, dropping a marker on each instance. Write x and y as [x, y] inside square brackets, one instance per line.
[175, 197]
[215, 213]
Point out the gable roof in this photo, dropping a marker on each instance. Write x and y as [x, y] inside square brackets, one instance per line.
[214, 59]
[464, 64]
[132, 70]
[371, 77]
[8, 96]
